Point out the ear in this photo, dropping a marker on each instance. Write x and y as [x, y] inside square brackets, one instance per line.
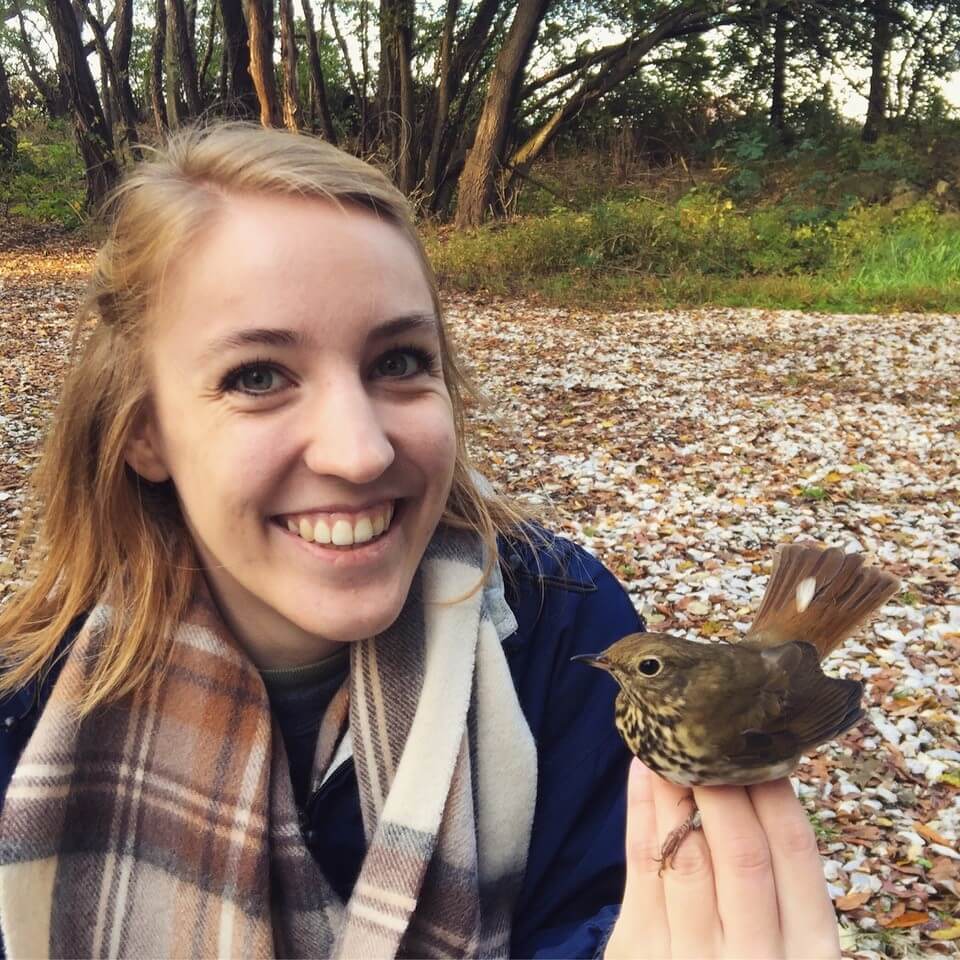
[144, 451]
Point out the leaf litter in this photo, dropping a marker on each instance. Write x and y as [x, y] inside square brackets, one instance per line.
[680, 447]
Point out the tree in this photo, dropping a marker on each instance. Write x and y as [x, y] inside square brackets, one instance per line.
[239, 90]
[292, 115]
[477, 180]
[317, 79]
[8, 133]
[90, 127]
[882, 12]
[259, 16]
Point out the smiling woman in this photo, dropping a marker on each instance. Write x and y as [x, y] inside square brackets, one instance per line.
[286, 676]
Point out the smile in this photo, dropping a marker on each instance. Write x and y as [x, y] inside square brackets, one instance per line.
[341, 530]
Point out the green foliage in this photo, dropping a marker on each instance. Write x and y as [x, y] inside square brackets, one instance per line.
[706, 247]
[45, 182]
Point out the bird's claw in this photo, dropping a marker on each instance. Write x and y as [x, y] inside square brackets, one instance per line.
[675, 838]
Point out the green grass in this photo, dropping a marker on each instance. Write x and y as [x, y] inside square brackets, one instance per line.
[46, 182]
[704, 249]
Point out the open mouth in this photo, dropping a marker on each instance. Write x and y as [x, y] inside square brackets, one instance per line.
[343, 531]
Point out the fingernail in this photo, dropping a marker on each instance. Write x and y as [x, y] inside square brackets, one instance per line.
[641, 783]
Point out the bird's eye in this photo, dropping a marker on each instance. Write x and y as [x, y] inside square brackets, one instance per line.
[650, 666]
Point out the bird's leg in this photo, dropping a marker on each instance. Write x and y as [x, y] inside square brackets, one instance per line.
[676, 837]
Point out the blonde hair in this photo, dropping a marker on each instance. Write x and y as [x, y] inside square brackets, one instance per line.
[96, 527]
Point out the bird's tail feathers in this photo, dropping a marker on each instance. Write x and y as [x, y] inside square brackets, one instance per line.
[818, 595]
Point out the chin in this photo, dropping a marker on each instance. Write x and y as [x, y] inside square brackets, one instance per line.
[355, 625]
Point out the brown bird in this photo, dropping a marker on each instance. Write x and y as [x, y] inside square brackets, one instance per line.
[741, 713]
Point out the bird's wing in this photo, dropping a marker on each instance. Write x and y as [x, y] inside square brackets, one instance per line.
[797, 709]
[819, 596]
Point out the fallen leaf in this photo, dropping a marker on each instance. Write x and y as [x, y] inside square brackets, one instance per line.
[932, 834]
[909, 918]
[851, 901]
[947, 933]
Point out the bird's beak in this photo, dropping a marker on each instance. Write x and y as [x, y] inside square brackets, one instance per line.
[593, 659]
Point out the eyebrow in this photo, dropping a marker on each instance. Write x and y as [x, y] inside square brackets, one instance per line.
[278, 337]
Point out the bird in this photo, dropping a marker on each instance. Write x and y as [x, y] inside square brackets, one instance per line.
[744, 712]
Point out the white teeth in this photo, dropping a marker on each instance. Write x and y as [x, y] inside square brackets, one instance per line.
[342, 534]
[363, 530]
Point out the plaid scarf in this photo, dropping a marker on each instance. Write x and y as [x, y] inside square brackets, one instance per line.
[164, 824]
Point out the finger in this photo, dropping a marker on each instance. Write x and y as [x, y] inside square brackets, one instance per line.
[807, 918]
[643, 914]
[687, 883]
[743, 872]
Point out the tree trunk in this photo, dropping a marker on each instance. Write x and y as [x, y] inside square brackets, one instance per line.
[178, 28]
[54, 95]
[407, 159]
[259, 14]
[316, 75]
[777, 99]
[621, 65]
[157, 47]
[241, 96]
[171, 87]
[207, 54]
[292, 113]
[875, 122]
[358, 92]
[122, 38]
[93, 135]
[8, 133]
[107, 74]
[477, 180]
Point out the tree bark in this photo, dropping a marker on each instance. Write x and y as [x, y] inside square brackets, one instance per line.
[292, 112]
[178, 27]
[8, 133]
[359, 92]
[90, 128]
[875, 122]
[395, 107]
[316, 74]
[157, 47]
[122, 40]
[241, 96]
[171, 87]
[54, 95]
[778, 91]
[207, 53]
[441, 106]
[618, 68]
[259, 15]
[477, 180]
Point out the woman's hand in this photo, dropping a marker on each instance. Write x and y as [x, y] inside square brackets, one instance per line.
[750, 884]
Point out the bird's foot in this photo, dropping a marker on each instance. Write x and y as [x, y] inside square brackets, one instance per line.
[675, 838]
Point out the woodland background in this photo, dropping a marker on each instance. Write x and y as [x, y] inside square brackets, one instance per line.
[766, 152]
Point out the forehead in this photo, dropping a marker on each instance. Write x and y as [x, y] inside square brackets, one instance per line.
[293, 262]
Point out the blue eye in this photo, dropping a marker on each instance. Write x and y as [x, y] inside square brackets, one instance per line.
[403, 362]
[249, 378]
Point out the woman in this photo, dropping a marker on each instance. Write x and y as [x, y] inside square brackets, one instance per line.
[288, 677]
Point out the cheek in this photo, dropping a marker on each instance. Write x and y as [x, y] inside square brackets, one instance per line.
[429, 440]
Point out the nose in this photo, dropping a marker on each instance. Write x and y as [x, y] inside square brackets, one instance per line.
[346, 433]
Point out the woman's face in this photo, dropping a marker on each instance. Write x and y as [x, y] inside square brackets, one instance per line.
[295, 382]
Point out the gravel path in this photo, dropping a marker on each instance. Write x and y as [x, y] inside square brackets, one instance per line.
[680, 448]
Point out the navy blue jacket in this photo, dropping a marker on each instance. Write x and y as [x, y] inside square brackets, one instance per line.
[575, 864]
